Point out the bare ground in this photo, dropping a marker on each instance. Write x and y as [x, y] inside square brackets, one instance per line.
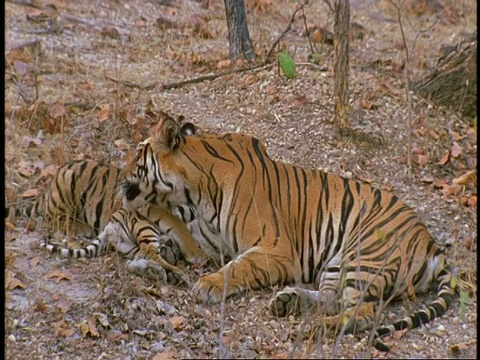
[61, 103]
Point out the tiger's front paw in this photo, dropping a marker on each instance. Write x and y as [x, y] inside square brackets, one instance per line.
[195, 255]
[209, 288]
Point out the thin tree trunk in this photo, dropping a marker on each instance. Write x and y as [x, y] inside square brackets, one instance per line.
[341, 58]
[238, 35]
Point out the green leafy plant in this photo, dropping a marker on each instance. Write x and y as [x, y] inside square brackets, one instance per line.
[286, 64]
[464, 300]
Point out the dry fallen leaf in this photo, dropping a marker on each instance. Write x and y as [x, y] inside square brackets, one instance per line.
[59, 4]
[62, 329]
[54, 274]
[11, 282]
[48, 172]
[440, 183]
[284, 355]
[64, 306]
[465, 179]
[472, 200]
[9, 227]
[456, 348]
[41, 307]
[452, 190]
[57, 111]
[53, 126]
[29, 142]
[420, 159]
[166, 356]
[26, 169]
[251, 79]
[117, 336]
[472, 136]
[428, 179]
[444, 158]
[88, 328]
[176, 321]
[456, 150]
[300, 100]
[367, 104]
[121, 144]
[223, 64]
[136, 136]
[456, 136]
[104, 113]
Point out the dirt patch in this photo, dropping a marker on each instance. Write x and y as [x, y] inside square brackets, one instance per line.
[61, 103]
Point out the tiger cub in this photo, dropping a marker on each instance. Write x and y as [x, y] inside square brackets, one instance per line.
[82, 199]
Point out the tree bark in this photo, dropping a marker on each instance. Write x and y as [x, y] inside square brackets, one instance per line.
[341, 41]
[453, 83]
[238, 35]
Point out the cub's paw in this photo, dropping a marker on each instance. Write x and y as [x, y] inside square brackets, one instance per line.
[147, 269]
[169, 250]
[209, 288]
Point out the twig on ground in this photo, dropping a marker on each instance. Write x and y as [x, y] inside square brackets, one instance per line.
[312, 65]
[196, 80]
[312, 50]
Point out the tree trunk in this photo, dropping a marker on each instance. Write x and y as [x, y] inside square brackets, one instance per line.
[238, 36]
[341, 40]
[453, 83]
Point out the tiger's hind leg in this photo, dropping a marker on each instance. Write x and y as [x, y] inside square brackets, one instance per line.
[297, 301]
[325, 306]
[337, 302]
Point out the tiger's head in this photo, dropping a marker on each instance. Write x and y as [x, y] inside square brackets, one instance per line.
[139, 183]
[202, 172]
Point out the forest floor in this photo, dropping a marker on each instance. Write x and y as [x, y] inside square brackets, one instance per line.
[83, 79]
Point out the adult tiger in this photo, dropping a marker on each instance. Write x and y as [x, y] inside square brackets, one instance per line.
[284, 224]
[83, 200]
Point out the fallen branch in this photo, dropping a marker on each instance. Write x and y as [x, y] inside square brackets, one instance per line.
[174, 85]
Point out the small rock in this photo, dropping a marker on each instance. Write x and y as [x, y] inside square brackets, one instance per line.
[438, 330]
[274, 324]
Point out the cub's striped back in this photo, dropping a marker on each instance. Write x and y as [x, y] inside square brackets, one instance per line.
[82, 198]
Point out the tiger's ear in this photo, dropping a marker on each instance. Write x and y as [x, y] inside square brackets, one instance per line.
[168, 133]
[188, 129]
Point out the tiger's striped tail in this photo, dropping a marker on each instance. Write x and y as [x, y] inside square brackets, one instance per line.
[97, 247]
[445, 295]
